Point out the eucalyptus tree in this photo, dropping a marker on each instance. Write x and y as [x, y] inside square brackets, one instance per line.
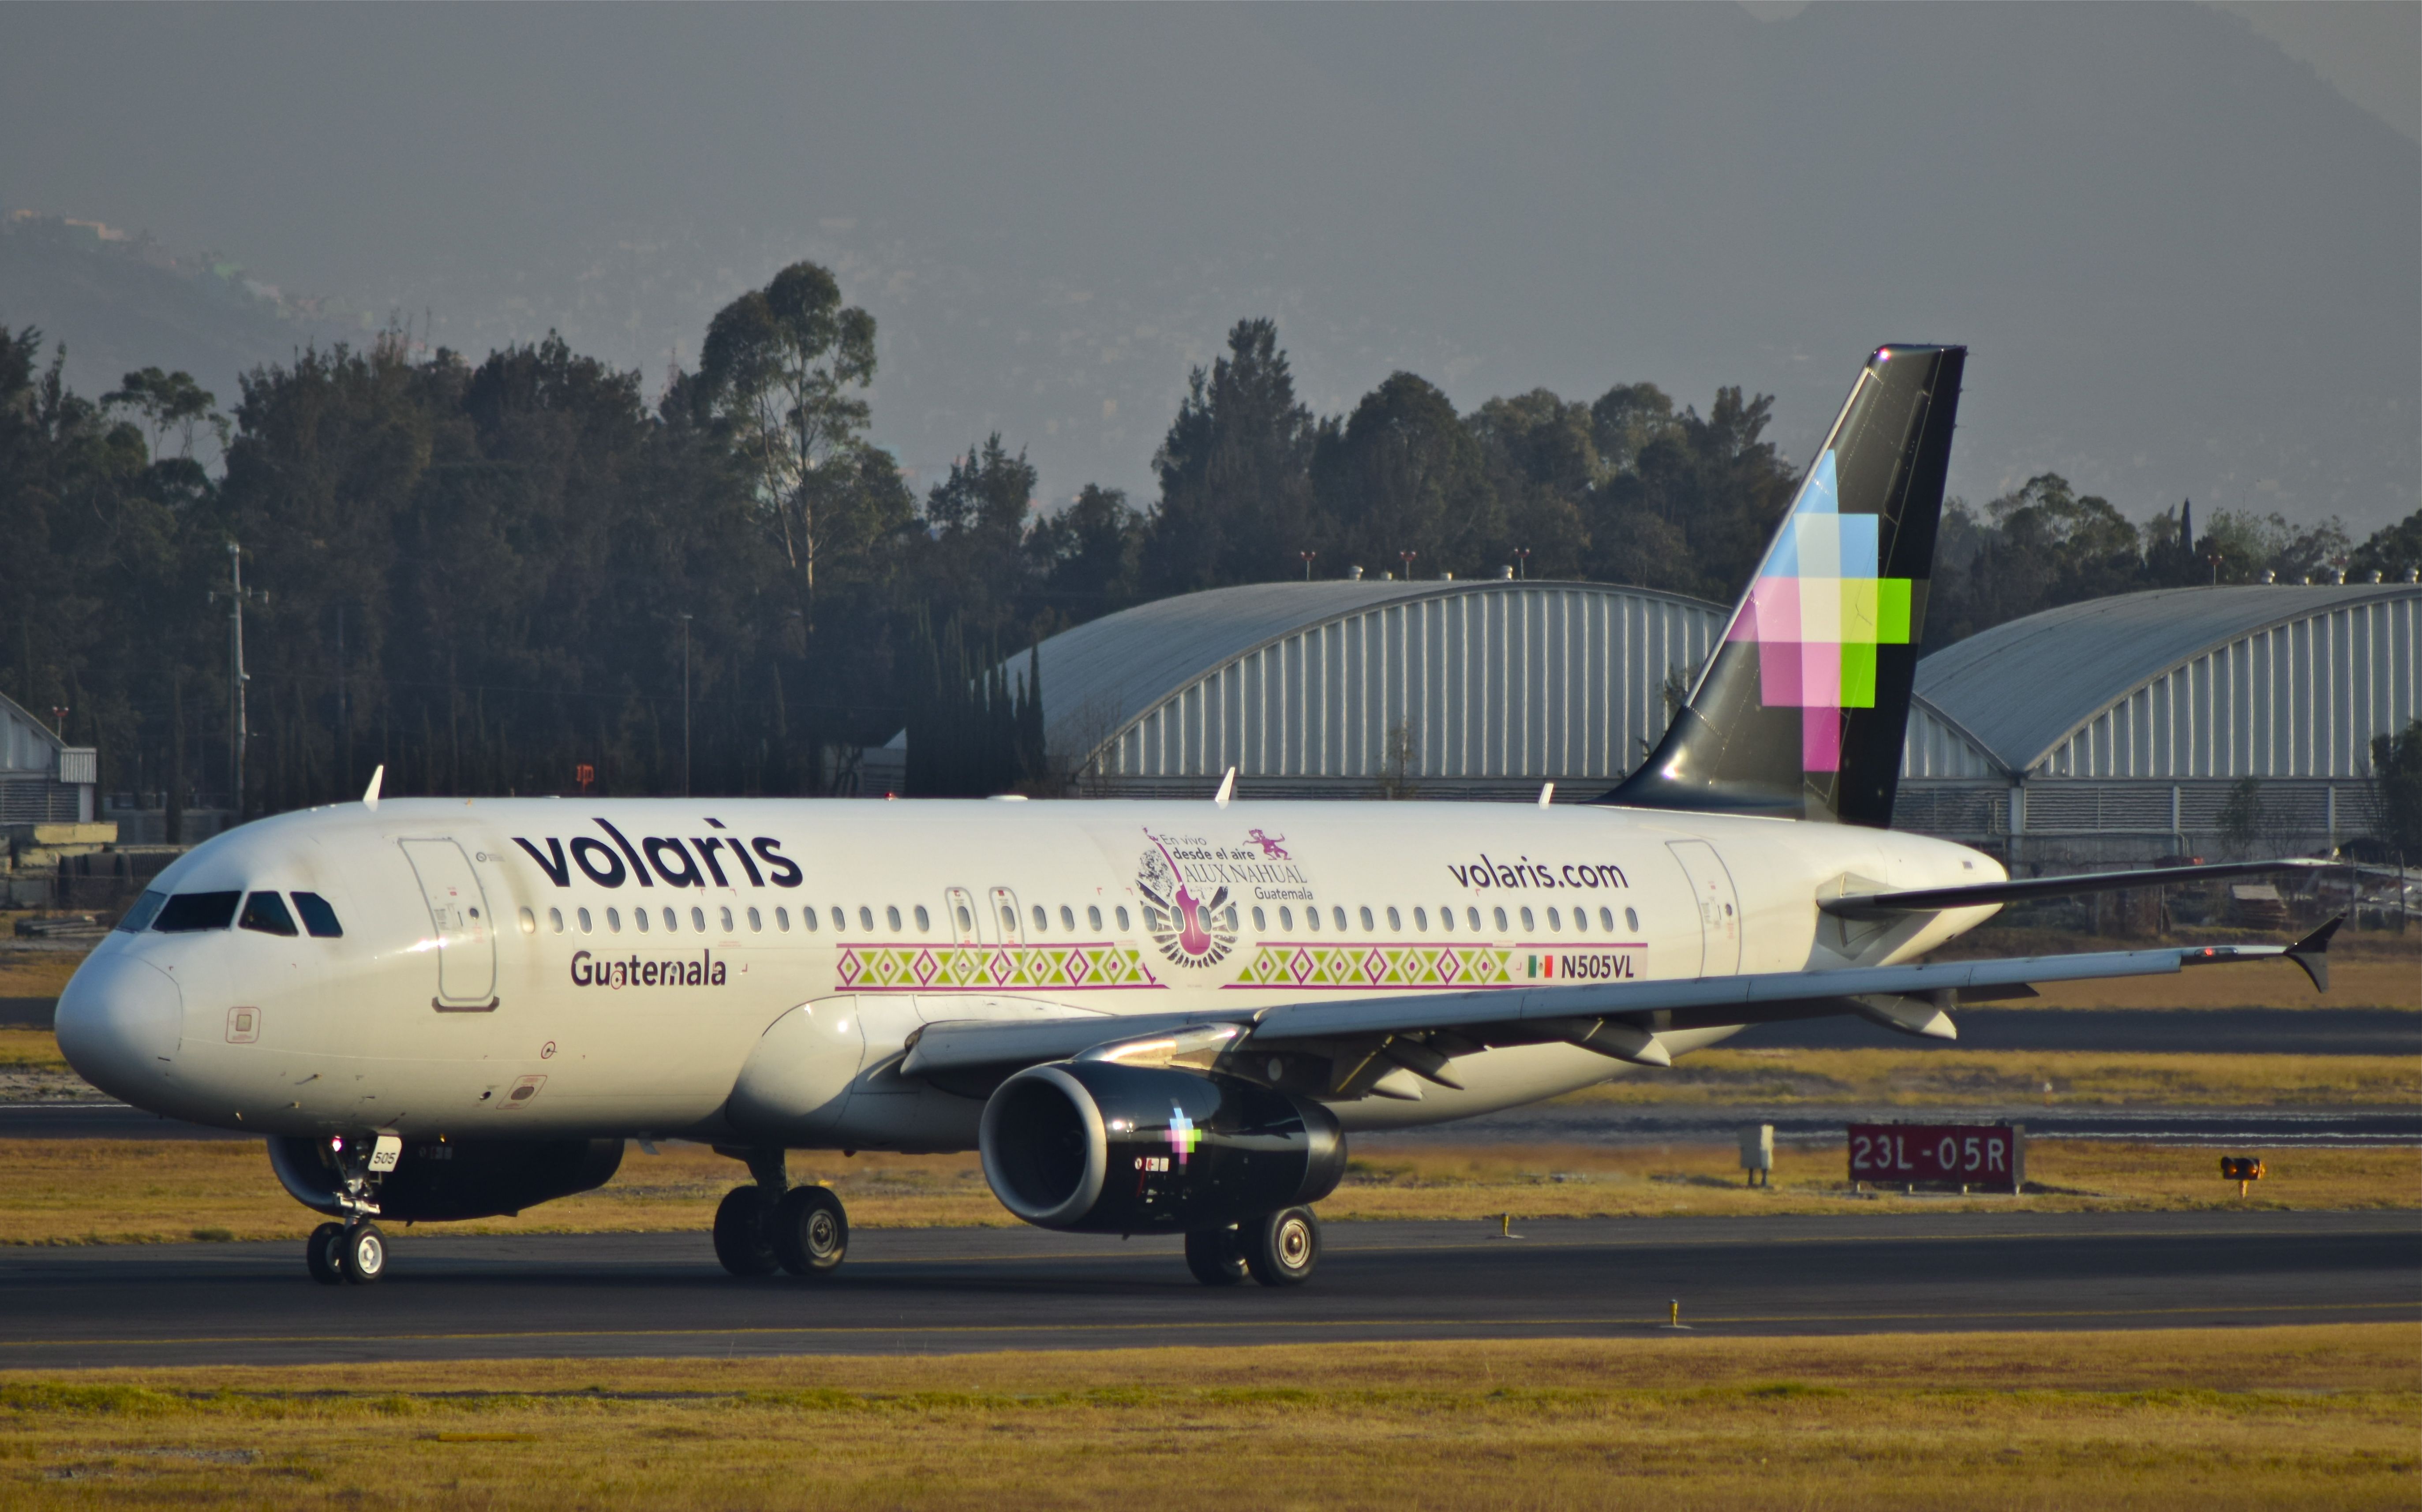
[785, 368]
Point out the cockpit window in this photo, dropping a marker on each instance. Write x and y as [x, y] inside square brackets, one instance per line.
[189, 912]
[318, 917]
[266, 912]
[138, 918]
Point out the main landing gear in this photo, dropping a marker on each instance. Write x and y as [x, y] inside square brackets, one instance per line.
[771, 1226]
[1279, 1249]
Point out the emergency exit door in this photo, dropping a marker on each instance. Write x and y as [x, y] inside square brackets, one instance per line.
[463, 929]
[1712, 888]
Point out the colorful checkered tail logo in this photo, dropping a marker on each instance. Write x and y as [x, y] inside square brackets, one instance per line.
[1803, 709]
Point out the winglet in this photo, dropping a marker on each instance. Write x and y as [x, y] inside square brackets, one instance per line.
[2312, 953]
[1546, 794]
[1227, 789]
[370, 794]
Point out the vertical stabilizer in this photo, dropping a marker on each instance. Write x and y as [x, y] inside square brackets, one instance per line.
[1802, 711]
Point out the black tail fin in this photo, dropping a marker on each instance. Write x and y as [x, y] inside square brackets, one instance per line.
[1802, 711]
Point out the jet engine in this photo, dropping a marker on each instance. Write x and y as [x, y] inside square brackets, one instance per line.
[1105, 1148]
[438, 1181]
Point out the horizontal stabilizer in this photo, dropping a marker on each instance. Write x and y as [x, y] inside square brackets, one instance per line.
[2020, 889]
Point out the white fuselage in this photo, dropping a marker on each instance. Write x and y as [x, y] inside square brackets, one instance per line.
[504, 972]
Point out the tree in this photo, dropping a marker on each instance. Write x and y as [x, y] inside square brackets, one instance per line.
[1085, 556]
[2397, 772]
[2394, 552]
[785, 368]
[1235, 491]
[170, 402]
[1696, 499]
[1404, 473]
[1541, 458]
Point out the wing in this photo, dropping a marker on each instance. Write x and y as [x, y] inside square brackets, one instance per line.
[1368, 1038]
[2017, 890]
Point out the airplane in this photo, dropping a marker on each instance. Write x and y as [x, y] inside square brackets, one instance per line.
[1146, 1016]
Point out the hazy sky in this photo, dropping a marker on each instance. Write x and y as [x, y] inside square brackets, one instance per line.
[2186, 247]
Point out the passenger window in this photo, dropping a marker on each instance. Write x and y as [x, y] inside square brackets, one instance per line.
[892, 916]
[1009, 921]
[1042, 920]
[782, 918]
[1421, 919]
[1230, 918]
[1501, 925]
[639, 918]
[1338, 913]
[1286, 918]
[673, 922]
[727, 921]
[1067, 918]
[1092, 916]
[1528, 923]
[555, 920]
[1555, 921]
[1580, 921]
[614, 921]
[1606, 920]
[527, 920]
[1260, 923]
[139, 917]
[865, 918]
[925, 920]
[698, 919]
[1123, 917]
[1395, 920]
[1367, 923]
[582, 916]
[1631, 920]
[188, 913]
[1471, 916]
[320, 920]
[1446, 918]
[266, 913]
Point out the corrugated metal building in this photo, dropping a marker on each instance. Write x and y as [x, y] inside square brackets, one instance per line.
[2112, 730]
[1481, 689]
[43, 780]
[2118, 728]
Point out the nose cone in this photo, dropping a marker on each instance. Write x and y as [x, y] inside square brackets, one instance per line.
[119, 1023]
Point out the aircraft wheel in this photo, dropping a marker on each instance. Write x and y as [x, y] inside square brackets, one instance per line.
[811, 1231]
[361, 1252]
[320, 1254]
[740, 1238]
[1216, 1255]
[1283, 1248]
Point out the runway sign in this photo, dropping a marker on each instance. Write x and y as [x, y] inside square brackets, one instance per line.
[1962, 1154]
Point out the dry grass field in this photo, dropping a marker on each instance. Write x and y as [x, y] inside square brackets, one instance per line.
[95, 1191]
[2217, 1419]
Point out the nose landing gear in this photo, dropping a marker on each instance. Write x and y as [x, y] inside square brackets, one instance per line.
[354, 1251]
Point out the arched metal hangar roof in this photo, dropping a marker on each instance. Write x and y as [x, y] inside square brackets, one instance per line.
[1525, 681]
[2270, 680]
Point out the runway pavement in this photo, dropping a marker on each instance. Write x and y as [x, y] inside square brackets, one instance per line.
[955, 1291]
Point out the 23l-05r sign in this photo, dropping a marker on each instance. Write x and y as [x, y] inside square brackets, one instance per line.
[1970, 1154]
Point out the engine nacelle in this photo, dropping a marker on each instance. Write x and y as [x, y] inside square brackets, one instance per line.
[463, 1178]
[1105, 1148]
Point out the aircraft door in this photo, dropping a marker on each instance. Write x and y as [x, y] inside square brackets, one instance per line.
[1718, 905]
[465, 932]
[959, 908]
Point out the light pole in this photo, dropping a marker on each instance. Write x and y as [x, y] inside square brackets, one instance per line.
[1406, 557]
[1307, 564]
[1522, 561]
[237, 677]
[685, 624]
[2214, 560]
